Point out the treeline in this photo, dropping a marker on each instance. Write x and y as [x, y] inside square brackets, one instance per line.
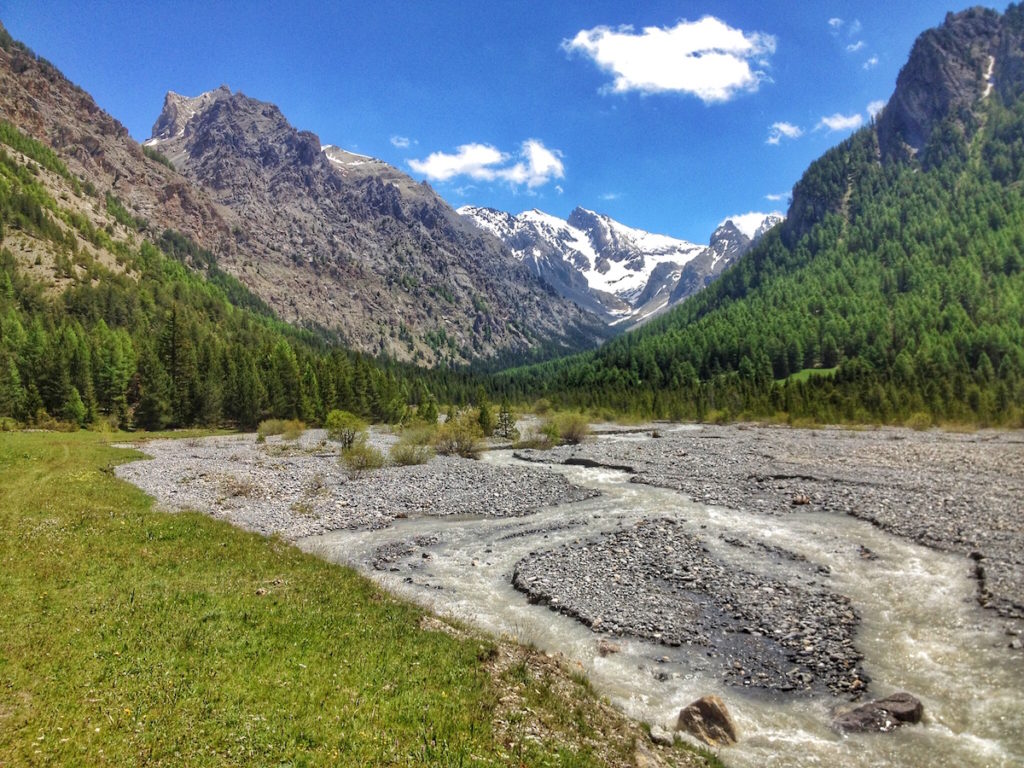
[154, 343]
[905, 278]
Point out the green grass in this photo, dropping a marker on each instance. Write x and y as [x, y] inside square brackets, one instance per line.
[137, 637]
[807, 373]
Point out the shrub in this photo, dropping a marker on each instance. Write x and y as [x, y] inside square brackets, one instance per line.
[542, 406]
[345, 428]
[539, 439]
[290, 430]
[407, 454]
[919, 421]
[360, 457]
[568, 428]
[269, 427]
[418, 435]
[461, 437]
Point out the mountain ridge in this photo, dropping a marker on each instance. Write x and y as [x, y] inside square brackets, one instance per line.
[626, 275]
[358, 245]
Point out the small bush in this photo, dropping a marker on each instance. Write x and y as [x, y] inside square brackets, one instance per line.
[290, 430]
[461, 436]
[360, 457]
[345, 428]
[407, 454]
[270, 427]
[539, 439]
[542, 406]
[919, 421]
[419, 435]
[568, 428]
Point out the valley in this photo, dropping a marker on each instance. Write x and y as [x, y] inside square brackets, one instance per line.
[313, 451]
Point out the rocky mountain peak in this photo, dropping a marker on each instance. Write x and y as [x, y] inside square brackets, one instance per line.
[350, 244]
[949, 70]
[179, 110]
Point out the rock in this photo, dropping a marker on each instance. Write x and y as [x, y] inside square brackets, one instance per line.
[881, 715]
[606, 647]
[708, 720]
[644, 758]
[661, 736]
[800, 499]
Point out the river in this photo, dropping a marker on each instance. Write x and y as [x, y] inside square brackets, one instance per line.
[921, 628]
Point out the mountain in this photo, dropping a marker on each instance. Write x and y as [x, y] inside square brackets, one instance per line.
[728, 243]
[44, 105]
[353, 245]
[893, 290]
[626, 275]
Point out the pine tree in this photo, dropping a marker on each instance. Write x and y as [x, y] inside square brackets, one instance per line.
[506, 427]
[485, 416]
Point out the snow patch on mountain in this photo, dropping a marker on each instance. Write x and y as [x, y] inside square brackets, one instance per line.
[752, 224]
[625, 274]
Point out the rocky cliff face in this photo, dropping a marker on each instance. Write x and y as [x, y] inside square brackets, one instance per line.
[950, 69]
[349, 243]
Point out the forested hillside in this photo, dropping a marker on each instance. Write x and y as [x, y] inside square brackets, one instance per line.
[104, 320]
[895, 289]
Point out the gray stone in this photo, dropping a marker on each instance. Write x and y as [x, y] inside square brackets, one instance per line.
[881, 715]
[661, 736]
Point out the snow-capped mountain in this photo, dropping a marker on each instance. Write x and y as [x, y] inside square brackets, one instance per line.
[624, 274]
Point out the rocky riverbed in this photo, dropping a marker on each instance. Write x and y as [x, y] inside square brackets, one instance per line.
[961, 493]
[657, 580]
[298, 488]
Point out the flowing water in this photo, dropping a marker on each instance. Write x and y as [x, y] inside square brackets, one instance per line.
[921, 629]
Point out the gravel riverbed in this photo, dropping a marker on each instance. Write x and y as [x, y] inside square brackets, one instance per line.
[765, 616]
[298, 488]
[961, 493]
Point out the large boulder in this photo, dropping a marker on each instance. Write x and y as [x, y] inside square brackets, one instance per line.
[708, 720]
[881, 715]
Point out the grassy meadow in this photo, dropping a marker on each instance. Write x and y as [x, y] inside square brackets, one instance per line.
[130, 636]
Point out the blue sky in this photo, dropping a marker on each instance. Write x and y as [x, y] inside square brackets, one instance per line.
[667, 116]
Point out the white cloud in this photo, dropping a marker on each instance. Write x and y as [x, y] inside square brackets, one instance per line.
[778, 196]
[854, 29]
[839, 122]
[835, 22]
[473, 160]
[778, 131]
[875, 107]
[854, 47]
[536, 164]
[402, 142]
[559, 190]
[871, 63]
[609, 196]
[706, 58]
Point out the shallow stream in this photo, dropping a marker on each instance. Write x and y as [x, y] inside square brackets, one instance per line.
[922, 630]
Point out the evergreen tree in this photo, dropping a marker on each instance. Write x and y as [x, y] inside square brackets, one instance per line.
[485, 416]
[506, 426]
